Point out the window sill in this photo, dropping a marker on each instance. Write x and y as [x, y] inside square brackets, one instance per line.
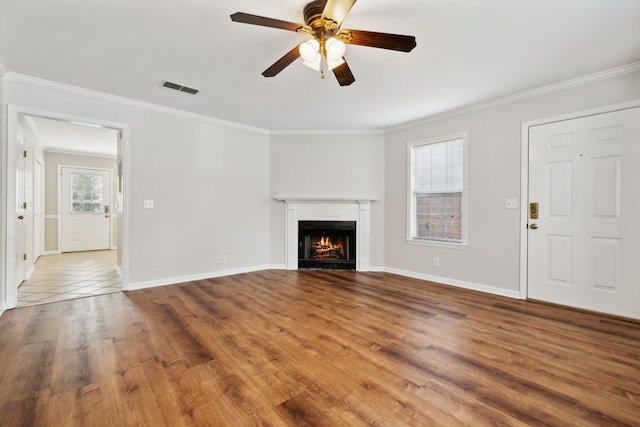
[436, 244]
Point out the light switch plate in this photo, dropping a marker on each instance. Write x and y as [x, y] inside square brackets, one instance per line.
[148, 204]
[511, 204]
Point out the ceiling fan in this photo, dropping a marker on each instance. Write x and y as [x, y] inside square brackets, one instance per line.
[322, 20]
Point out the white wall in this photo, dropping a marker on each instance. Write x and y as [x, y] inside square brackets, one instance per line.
[491, 261]
[209, 181]
[347, 165]
[210, 185]
[3, 197]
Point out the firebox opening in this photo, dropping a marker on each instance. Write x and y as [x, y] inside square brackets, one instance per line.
[327, 244]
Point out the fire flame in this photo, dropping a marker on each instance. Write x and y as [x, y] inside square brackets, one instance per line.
[324, 248]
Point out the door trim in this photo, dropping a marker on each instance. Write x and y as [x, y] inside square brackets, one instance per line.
[10, 294]
[524, 177]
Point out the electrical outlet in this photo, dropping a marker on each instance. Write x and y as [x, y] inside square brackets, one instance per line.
[223, 259]
[148, 204]
[217, 259]
[436, 261]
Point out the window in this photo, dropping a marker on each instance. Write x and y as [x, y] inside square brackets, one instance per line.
[86, 193]
[436, 186]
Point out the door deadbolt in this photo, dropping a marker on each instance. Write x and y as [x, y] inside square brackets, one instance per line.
[20, 217]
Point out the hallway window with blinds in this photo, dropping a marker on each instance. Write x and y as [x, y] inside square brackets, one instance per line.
[436, 199]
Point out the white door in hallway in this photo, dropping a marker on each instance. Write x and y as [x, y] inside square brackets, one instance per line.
[85, 209]
[584, 247]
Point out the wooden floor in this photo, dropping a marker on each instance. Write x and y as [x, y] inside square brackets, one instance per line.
[317, 348]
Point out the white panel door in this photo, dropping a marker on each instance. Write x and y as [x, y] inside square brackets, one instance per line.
[84, 209]
[584, 249]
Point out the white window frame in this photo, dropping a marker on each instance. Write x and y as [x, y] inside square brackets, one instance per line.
[465, 190]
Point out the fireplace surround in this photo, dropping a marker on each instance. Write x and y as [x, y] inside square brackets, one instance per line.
[300, 209]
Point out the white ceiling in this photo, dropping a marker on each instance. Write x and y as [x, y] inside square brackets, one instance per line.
[468, 52]
[71, 137]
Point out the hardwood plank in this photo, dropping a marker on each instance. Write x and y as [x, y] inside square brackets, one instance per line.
[331, 348]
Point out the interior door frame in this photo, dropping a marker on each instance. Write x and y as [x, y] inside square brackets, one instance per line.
[524, 178]
[38, 242]
[10, 294]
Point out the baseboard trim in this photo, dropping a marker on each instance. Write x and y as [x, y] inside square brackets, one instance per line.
[182, 279]
[52, 252]
[515, 294]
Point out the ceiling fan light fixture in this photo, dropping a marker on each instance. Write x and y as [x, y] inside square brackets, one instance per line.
[310, 53]
[322, 21]
[335, 48]
[315, 64]
[310, 50]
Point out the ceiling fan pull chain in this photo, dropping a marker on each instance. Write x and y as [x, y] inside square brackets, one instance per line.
[323, 62]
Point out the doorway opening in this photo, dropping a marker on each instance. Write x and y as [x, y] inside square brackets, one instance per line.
[93, 263]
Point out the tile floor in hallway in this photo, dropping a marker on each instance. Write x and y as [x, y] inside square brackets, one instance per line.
[70, 275]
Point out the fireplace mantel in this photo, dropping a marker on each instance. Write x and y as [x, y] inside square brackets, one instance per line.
[327, 199]
[328, 208]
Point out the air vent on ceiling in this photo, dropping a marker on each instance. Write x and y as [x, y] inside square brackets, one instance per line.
[181, 88]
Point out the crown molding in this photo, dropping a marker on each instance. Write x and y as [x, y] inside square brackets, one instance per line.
[101, 96]
[556, 87]
[327, 132]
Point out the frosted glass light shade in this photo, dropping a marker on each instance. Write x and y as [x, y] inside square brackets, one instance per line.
[310, 53]
[335, 51]
[309, 50]
[335, 48]
[315, 64]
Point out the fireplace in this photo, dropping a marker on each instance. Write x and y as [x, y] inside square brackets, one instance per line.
[327, 244]
[327, 210]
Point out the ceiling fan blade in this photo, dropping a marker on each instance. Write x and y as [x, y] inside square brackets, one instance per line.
[344, 75]
[247, 18]
[336, 10]
[282, 63]
[381, 40]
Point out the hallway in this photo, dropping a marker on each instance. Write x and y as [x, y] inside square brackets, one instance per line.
[70, 275]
